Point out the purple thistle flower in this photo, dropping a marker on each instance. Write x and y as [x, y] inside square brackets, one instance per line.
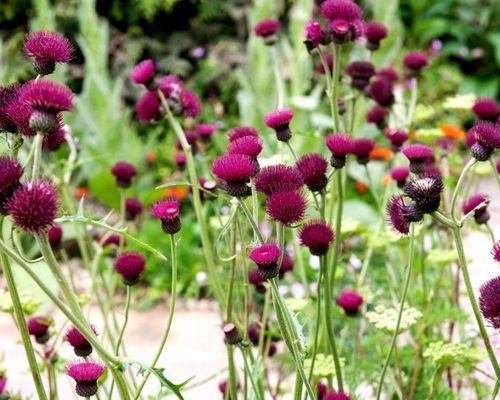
[362, 148]
[486, 109]
[147, 108]
[254, 333]
[268, 30]
[33, 206]
[349, 301]
[340, 145]
[266, 257]
[123, 172]
[360, 72]
[333, 395]
[377, 115]
[54, 140]
[190, 103]
[397, 137]
[381, 91]
[235, 171]
[242, 131]
[55, 236]
[414, 61]
[489, 301]
[86, 374]
[487, 139]
[322, 390]
[180, 160]
[401, 215]
[205, 131]
[191, 138]
[46, 49]
[80, 344]
[231, 334]
[279, 120]
[317, 236]
[9, 180]
[250, 146]
[313, 168]
[133, 207]
[168, 212]
[8, 95]
[286, 265]
[345, 19]
[374, 33]
[143, 73]
[171, 86]
[481, 214]
[287, 207]
[417, 155]
[400, 174]
[313, 35]
[431, 170]
[255, 278]
[47, 96]
[3, 383]
[114, 239]
[19, 113]
[495, 251]
[224, 389]
[39, 328]
[277, 178]
[130, 265]
[425, 192]
[329, 61]
[389, 74]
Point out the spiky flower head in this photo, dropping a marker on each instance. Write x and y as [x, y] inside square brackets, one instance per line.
[397, 137]
[8, 95]
[414, 61]
[46, 49]
[481, 214]
[279, 120]
[133, 207]
[495, 251]
[313, 35]
[54, 140]
[255, 278]
[417, 154]
[19, 114]
[362, 149]
[486, 109]
[266, 257]
[86, 373]
[402, 215]
[55, 236]
[130, 265]
[286, 265]
[235, 171]
[400, 174]
[147, 108]
[425, 192]
[381, 91]
[277, 178]
[250, 146]
[143, 73]
[360, 73]
[114, 239]
[268, 30]
[287, 207]
[123, 173]
[9, 179]
[39, 328]
[180, 160]
[81, 346]
[333, 395]
[317, 236]
[190, 104]
[388, 73]
[231, 334]
[313, 168]
[320, 68]
[339, 145]
[349, 301]
[345, 18]
[242, 131]
[168, 212]
[205, 131]
[377, 115]
[33, 206]
[489, 301]
[374, 33]
[487, 139]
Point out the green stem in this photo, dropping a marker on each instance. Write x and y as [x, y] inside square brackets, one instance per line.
[318, 321]
[495, 172]
[338, 227]
[413, 103]
[255, 207]
[250, 218]
[297, 394]
[491, 233]
[411, 256]
[336, 86]
[248, 371]
[233, 385]
[495, 390]
[125, 321]
[280, 85]
[294, 155]
[37, 156]
[468, 166]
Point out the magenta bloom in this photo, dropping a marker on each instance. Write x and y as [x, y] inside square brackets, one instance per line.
[19, 114]
[147, 108]
[171, 86]
[277, 178]
[362, 148]
[313, 168]
[80, 344]
[345, 19]
[425, 192]
[360, 72]
[329, 61]
[114, 239]
[130, 265]
[143, 73]
[313, 35]
[279, 120]
[205, 131]
[349, 301]
[401, 215]
[377, 115]
[389, 74]
[9, 180]
[287, 207]
[255, 278]
[180, 160]
[39, 328]
[432, 171]
[133, 207]
[235, 171]
[33, 206]
[486, 137]
[339, 145]
[374, 33]
[191, 138]
[47, 96]
[381, 91]
[168, 212]
[417, 154]
[486, 109]
[55, 236]
[266, 257]
[489, 302]
[8, 95]
[46, 49]
[286, 265]
[397, 137]
[86, 375]
[123, 172]
[3, 383]
[317, 236]
[231, 334]
[481, 214]
[268, 30]
[400, 174]
[242, 131]
[191, 106]
[250, 146]
[495, 251]
[333, 395]
[414, 61]
[54, 140]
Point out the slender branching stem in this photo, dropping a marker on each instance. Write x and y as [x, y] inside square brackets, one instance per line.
[468, 166]
[37, 156]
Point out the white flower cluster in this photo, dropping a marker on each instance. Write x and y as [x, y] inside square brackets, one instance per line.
[386, 318]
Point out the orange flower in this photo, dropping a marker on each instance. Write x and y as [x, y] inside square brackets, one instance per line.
[386, 180]
[151, 156]
[81, 192]
[380, 153]
[361, 187]
[175, 192]
[452, 132]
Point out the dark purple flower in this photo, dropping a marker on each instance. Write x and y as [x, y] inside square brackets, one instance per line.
[495, 251]
[180, 160]
[54, 140]
[123, 172]
[55, 235]
[9, 180]
[39, 328]
[345, 19]
[191, 138]
[224, 389]
[279, 120]
[86, 374]
[360, 72]
[235, 171]
[231, 334]
[389, 74]
[313, 35]
[329, 61]
[168, 212]
[147, 108]
[19, 113]
[401, 215]
[317, 236]
[191, 106]
[381, 91]
[340, 145]
[47, 96]
[81, 346]
[397, 137]
[46, 49]
[143, 73]
[287, 207]
[286, 265]
[425, 192]
[377, 115]
[130, 265]
[313, 168]
[486, 109]
[322, 390]
[242, 131]
[481, 214]
[250, 146]
[362, 148]
[349, 301]
[414, 61]
[133, 207]
[374, 33]
[268, 30]
[254, 333]
[489, 301]
[205, 131]
[255, 278]
[333, 395]
[277, 178]
[33, 206]
[400, 174]
[431, 170]
[417, 155]
[486, 137]
[8, 95]
[3, 383]
[114, 239]
[266, 257]
[171, 86]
